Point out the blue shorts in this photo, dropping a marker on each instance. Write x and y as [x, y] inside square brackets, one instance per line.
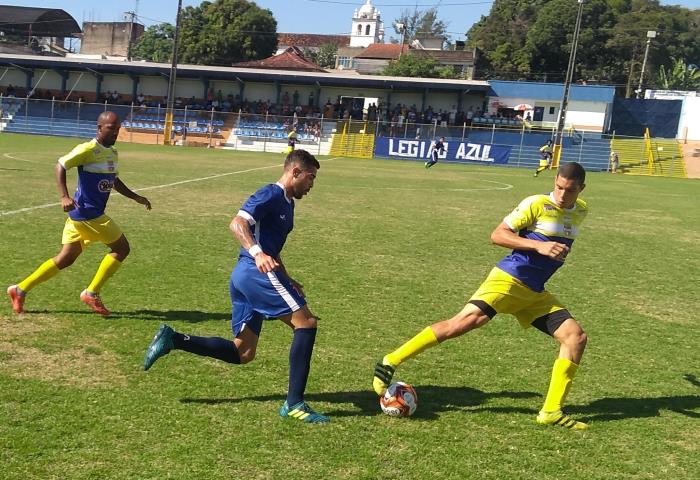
[257, 296]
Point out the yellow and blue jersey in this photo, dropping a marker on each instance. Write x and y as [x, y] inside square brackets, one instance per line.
[270, 215]
[98, 167]
[292, 138]
[538, 217]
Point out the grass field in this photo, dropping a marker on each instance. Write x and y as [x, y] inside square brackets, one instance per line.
[383, 248]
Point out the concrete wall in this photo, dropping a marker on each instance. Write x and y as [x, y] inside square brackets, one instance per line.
[108, 38]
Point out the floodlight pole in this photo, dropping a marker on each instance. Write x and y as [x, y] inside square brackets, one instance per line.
[559, 133]
[170, 102]
[650, 34]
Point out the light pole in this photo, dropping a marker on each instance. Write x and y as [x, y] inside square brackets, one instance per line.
[650, 34]
[170, 102]
[567, 86]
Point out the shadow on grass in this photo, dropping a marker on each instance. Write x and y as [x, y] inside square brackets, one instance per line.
[609, 409]
[191, 316]
[432, 400]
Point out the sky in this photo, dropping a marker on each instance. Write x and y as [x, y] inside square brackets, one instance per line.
[304, 16]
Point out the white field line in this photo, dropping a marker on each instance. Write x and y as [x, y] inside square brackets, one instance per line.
[166, 185]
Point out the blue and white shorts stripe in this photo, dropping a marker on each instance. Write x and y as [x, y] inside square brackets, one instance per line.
[257, 296]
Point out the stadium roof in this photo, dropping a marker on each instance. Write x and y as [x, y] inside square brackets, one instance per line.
[42, 22]
[330, 79]
[550, 91]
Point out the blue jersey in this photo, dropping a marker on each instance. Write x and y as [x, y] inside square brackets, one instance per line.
[270, 215]
[539, 218]
[97, 169]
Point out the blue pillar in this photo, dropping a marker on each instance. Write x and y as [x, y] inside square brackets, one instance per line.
[29, 74]
[424, 98]
[135, 79]
[205, 82]
[64, 81]
[98, 88]
[278, 90]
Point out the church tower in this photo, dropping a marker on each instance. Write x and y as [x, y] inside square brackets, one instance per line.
[367, 26]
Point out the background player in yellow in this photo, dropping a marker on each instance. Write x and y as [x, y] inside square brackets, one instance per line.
[98, 174]
[545, 157]
[540, 231]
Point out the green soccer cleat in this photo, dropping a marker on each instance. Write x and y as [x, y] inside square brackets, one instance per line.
[558, 418]
[302, 411]
[162, 344]
[383, 373]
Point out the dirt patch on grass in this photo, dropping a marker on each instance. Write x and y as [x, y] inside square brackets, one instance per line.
[82, 367]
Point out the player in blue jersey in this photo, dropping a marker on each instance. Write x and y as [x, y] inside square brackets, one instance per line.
[261, 288]
[98, 174]
[541, 231]
[437, 149]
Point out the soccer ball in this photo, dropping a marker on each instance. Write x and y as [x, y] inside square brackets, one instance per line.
[399, 400]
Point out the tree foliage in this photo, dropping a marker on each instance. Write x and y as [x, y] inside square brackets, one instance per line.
[156, 44]
[413, 66]
[420, 22]
[227, 31]
[324, 57]
[532, 39]
[214, 33]
[679, 77]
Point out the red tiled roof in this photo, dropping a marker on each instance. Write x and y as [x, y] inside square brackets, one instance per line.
[311, 39]
[387, 51]
[290, 59]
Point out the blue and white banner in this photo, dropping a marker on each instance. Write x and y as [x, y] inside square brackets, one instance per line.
[454, 151]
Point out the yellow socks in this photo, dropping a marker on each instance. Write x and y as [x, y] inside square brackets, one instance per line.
[424, 340]
[45, 271]
[107, 268]
[563, 373]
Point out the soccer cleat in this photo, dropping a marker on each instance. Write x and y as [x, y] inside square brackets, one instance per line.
[302, 411]
[94, 301]
[426, 165]
[558, 418]
[383, 372]
[161, 345]
[17, 299]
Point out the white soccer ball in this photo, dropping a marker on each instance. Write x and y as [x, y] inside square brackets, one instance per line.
[399, 400]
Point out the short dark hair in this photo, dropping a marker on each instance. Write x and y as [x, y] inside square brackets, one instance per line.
[572, 171]
[303, 158]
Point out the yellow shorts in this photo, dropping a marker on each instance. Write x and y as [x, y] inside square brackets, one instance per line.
[101, 229]
[544, 162]
[506, 294]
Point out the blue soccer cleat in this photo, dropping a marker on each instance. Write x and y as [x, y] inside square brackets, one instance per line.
[302, 411]
[162, 344]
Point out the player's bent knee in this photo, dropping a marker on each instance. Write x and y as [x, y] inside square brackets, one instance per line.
[246, 356]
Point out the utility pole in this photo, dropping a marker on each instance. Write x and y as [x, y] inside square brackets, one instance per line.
[650, 34]
[402, 28]
[131, 15]
[567, 86]
[167, 133]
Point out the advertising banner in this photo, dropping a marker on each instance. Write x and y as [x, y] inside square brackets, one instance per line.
[455, 151]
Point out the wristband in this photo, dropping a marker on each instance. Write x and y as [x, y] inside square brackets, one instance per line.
[254, 250]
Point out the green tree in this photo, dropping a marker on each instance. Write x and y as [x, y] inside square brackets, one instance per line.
[680, 77]
[414, 66]
[420, 22]
[225, 32]
[531, 39]
[324, 57]
[156, 44]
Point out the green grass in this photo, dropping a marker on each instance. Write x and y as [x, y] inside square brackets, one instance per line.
[383, 248]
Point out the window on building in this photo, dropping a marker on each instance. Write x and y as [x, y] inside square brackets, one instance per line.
[346, 62]
[367, 30]
[551, 110]
[359, 29]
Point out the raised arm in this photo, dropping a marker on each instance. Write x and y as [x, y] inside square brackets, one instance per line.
[503, 236]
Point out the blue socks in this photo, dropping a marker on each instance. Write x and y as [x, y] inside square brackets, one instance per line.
[300, 363]
[214, 347]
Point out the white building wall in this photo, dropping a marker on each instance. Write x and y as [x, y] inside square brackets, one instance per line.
[152, 86]
[188, 88]
[86, 83]
[120, 83]
[689, 124]
[44, 79]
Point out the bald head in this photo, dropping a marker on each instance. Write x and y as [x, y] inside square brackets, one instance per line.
[108, 126]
